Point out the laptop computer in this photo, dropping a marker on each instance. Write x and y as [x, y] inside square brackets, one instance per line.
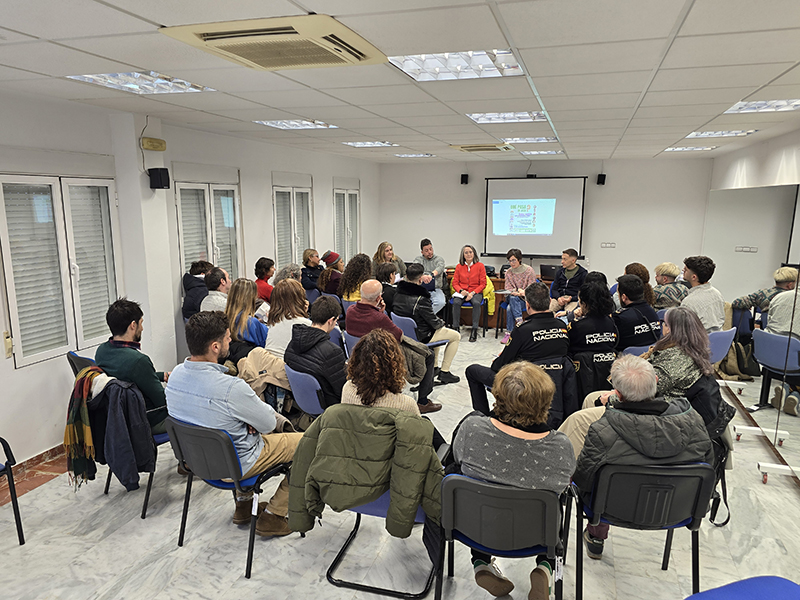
[548, 271]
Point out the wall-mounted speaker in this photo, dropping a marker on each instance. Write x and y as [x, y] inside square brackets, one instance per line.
[464, 178]
[601, 179]
[159, 178]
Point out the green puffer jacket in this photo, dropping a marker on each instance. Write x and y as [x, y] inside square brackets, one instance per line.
[352, 454]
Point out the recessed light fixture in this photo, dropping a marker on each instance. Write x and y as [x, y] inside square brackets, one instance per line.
[473, 64]
[507, 117]
[296, 124]
[369, 144]
[533, 140]
[415, 155]
[526, 152]
[715, 134]
[764, 106]
[147, 82]
[689, 148]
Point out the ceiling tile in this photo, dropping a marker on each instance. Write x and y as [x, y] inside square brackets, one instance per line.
[688, 110]
[390, 94]
[430, 121]
[236, 79]
[55, 19]
[595, 115]
[435, 30]
[445, 129]
[263, 113]
[593, 58]
[367, 123]
[538, 129]
[291, 98]
[716, 77]
[572, 134]
[55, 60]
[332, 113]
[343, 77]
[683, 122]
[586, 85]
[732, 16]
[716, 96]
[546, 22]
[193, 116]
[9, 37]
[10, 74]
[790, 78]
[576, 103]
[211, 101]
[130, 103]
[152, 51]
[479, 89]
[496, 105]
[412, 109]
[776, 92]
[63, 88]
[180, 12]
[749, 121]
[734, 49]
[599, 123]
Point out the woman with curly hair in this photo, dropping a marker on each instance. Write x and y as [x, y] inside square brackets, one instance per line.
[328, 282]
[240, 311]
[376, 374]
[642, 273]
[357, 271]
[385, 253]
[289, 307]
[514, 446]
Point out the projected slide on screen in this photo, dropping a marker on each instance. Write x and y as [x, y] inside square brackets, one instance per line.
[523, 217]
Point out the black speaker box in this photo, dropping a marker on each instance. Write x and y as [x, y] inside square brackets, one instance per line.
[601, 179]
[464, 179]
[159, 179]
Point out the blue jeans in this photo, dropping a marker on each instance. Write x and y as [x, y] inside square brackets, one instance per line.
[515, 310]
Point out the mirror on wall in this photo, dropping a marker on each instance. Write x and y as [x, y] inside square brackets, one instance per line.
[749, 234]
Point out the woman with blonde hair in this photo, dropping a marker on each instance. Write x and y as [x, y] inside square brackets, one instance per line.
[515, 446]
[241, 310]
[289, 307]
[385, 253]
[311, 269]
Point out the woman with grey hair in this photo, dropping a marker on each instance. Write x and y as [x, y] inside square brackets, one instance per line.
[290, 271]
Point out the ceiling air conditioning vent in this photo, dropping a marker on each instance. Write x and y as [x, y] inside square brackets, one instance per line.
[282, 43]
[483, 147]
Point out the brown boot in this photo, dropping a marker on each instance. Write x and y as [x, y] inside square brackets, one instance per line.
[241, 515]
[272, 525]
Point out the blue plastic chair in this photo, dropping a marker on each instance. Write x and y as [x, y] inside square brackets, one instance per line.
[720, 342]
[6, 470]
[312, 295]
[741, 320]
[350, 342]
[306, 391]
[334, 296]
[636, 350]
[376, 508]
[755, 588]
[211, 455]
[409, 328]
[648, 498]
[484, 311]
[336, 336]
[660, 313]
[79, 363]
[613, 289]
[347, 304]
[770, 351]
[502, 521]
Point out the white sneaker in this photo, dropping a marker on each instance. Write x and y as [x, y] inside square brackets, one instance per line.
[490, 578]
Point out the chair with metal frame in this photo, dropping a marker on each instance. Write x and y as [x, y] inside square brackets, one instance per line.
[636, 350]
[6, 469]
[502, 521]
[78, 363]
[484, 308]
[211, 455]
[306, 391]
[409, 328]
[347, 304]
[648, 498]
[720, 342]
[773, 353]
[350, 342]
[312, 295]
[500, 318]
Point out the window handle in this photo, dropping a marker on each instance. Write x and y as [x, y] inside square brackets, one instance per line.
[76, 272]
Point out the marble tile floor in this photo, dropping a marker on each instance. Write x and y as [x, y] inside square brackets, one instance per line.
[86, 545]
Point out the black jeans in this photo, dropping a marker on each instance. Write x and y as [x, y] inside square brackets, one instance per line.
[478, 379]
[426, 385]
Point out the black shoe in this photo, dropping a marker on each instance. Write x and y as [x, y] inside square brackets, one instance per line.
[448, 377]
[594, 547]
[436, 371]
[473, 337]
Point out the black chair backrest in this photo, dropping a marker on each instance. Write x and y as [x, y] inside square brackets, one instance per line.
[78, 363]
[653, 497]
[499, 516]
[208, 453]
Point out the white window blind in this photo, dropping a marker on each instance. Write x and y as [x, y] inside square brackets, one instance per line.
[225, 246]
[92, 260]
[352, 223]
[284, 233]
[193, 226]
[340, 224]
[302, 215]
[32, 250]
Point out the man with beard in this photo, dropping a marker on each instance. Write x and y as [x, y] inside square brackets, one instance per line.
[200, 392]
[121, 357]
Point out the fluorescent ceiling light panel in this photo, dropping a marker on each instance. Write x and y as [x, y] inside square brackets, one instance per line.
[296, 124]
[764, 106]
[533, 140]
[715, 134]
[148, 82]
[415, 155]
[473, 64]
[369, 144]
[689, 148]
[507, 117]
[526, 152]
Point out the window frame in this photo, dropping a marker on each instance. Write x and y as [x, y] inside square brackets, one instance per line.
[296, 251]
[351, 242]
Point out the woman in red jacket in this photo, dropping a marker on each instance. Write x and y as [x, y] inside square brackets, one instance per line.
[468, 283]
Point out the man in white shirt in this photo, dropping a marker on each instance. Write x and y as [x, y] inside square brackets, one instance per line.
[218, 284]
[703, 299]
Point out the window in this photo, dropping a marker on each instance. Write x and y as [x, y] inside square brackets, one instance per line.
[208, 225]
[293, 224]
[57, 238]
[345, 232]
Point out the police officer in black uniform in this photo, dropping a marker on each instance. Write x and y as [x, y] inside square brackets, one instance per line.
[637, 322]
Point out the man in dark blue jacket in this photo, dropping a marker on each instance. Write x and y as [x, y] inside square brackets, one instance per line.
[569, 279]
[194, 287]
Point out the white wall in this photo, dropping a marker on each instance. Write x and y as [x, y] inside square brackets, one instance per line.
[652, 209]
[774, 162]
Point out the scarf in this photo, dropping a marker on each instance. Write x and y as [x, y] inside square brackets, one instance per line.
[78, 442]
